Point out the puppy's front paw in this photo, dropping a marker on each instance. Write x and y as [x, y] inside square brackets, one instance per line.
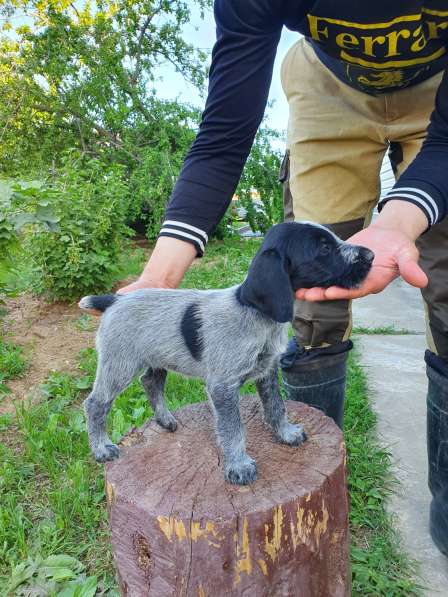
[167, 421]
[241, 472]
[291, 434]
[106, 452]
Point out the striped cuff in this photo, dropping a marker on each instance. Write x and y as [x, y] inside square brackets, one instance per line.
[417, 197]
[185, 232]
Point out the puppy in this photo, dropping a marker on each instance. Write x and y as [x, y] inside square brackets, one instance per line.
[225, 337]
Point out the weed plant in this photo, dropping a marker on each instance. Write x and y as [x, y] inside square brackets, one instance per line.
[12, 363]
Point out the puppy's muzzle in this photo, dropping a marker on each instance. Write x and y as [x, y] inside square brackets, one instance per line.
[366, 255]
[354, 254]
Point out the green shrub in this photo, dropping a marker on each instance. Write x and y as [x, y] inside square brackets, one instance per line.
[15, 213]
[165, 144]
[260, 177]
[90, 202]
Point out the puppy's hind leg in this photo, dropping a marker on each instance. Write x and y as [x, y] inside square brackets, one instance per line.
[275, 411]
[108, 384]
[239, 467]
[153, 381]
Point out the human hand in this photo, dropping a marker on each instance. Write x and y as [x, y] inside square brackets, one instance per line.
[392, 239]
[142, 282]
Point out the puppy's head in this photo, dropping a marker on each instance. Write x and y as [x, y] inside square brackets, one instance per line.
[300, 255]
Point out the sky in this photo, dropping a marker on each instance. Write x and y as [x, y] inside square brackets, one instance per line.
[201, 33]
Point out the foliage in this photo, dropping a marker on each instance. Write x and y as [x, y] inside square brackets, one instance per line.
[57, 574]
[12, 219]
[260, 181]
[90, 203]
[152, 178]
[83, 75]
[49, 489]
[387, 330]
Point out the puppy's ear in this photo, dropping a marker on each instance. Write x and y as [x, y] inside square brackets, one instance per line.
[268, 288]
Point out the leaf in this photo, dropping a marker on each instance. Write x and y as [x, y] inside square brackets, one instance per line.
[5, 192]
[63, 560]
[29, 184]
[21, 573]
[75, 589]
[46, 214]
[52, 226]
[58, 574]
[83, 383]
[19, 220]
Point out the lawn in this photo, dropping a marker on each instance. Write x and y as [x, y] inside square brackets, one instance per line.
[53, 521]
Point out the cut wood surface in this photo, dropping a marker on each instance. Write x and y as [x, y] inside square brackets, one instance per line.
[178, 529]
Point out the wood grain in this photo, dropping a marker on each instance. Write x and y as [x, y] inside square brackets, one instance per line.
[178, 529]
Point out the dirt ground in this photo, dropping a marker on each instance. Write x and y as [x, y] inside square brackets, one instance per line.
[51, 335]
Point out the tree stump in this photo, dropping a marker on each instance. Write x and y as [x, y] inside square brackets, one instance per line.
[178, 529]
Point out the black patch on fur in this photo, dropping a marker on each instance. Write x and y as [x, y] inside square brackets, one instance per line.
[190, 327]
[102, 302]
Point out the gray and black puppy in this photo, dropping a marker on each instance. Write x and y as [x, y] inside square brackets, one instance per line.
[223, 336]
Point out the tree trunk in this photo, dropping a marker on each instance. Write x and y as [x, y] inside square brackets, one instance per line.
[178, 529]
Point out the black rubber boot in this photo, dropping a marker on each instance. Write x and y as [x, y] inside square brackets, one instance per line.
[437, 437]
[317, 377]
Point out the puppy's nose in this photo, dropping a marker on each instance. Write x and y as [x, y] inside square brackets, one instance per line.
[366, 254]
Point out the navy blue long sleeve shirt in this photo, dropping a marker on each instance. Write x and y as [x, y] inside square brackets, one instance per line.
[374, 47]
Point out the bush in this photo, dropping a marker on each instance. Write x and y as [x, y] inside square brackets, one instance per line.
[166, 143]
[12, 219]
[90, 201]
[260, 176]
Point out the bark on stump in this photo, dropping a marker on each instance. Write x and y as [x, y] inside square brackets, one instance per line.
[179, 530]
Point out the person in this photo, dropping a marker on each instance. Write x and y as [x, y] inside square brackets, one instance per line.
[366, 78]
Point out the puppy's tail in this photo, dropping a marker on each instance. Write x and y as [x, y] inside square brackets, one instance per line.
[98, 303]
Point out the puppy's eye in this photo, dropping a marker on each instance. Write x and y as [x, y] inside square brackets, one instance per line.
[324, 249]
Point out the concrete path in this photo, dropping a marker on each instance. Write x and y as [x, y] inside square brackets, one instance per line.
[398, 306]
[397, 382]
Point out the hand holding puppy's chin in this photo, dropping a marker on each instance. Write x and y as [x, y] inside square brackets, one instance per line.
[395, 255]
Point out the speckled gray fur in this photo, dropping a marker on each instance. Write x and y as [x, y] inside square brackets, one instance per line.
[141, 332]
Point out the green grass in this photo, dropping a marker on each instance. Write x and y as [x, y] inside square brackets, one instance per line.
[52, 499]
[131, 263]
[225, 264]
[379, 565]
[387, 330]
[12, 363]
[85, 323]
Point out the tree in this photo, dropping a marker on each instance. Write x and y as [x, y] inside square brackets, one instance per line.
[82, 75]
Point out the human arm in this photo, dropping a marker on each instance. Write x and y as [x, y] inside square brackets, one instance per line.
[242, 61]
[166, 267]
[248, 32]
